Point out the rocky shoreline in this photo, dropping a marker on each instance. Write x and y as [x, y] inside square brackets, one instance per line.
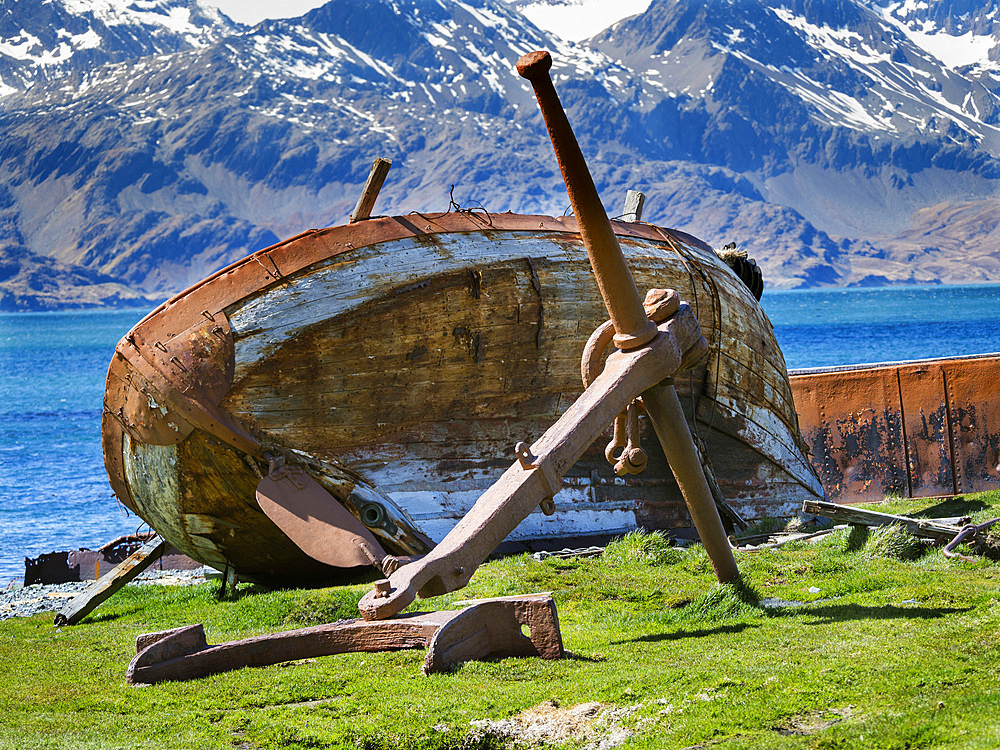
[25, 601]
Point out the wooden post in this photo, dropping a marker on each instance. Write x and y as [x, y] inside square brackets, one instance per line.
[634, 201]
[103, 588]
[371, 189]
[926, 528]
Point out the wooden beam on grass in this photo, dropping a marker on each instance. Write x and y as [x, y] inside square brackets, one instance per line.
[105, 586]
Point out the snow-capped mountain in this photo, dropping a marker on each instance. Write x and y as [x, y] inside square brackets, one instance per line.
[797, 94]
[43, 40]
[818, 134]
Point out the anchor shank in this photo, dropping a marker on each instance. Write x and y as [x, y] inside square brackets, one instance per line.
[621, 297]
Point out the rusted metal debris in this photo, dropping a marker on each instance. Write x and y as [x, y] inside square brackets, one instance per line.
[970, 533]
[912, 429]
[89, 564]
[488, 628]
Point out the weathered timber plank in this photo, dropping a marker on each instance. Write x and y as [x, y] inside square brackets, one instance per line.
[105, 587]
[925, 528]
[370, 191]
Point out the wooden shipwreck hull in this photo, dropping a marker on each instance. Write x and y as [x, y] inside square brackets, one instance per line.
[398, 360]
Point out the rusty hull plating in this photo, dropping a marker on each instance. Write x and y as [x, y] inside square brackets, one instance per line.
[913, 429]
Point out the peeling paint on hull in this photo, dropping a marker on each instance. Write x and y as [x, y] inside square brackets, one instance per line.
[401, 359]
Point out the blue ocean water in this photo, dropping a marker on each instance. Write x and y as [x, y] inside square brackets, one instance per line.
[820, 328]
[54, 494]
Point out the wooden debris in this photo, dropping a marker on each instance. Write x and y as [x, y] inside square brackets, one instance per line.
[104, 587]
[925, 528]
[371, 190]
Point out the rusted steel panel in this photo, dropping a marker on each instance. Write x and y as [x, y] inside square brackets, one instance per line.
[851, 423]
[925, 418]
[973, 391]
[916, 429]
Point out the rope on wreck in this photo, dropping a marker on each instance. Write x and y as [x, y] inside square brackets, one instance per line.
[455, 206]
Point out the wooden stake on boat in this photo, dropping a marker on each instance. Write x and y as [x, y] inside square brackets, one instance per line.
[634, 201]
[105, 586]
[371, 190]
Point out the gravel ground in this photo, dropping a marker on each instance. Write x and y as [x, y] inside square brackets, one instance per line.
[24, 601]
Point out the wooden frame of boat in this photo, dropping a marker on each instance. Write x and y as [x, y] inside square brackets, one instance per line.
[399, 359]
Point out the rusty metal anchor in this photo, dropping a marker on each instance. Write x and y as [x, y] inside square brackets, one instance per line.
[648, 354]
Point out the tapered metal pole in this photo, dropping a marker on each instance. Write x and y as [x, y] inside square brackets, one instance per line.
[632, 327]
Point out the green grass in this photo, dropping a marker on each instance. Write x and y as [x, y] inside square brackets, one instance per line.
[882, 644]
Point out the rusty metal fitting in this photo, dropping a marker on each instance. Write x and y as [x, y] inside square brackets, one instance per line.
[660, 304]
[534, 65]
[548, 506]
[620, 439]
[390, 564]
[524, 456]
[599, 341]
[383, 587]
[633, 461]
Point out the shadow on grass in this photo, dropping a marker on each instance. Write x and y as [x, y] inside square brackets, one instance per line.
[818, 616]
[573, 656]
[678, 634]
[959, 506]
[844, 612]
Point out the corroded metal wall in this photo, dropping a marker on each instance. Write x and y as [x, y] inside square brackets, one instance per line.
[913, 429]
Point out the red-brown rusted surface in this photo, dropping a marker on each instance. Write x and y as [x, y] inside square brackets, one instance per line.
[488, 628]
[621, 298]
[913, 429]
[630, 317]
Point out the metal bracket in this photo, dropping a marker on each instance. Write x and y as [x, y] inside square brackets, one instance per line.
[551, 480]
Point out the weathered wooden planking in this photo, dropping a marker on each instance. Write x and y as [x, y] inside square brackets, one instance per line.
[406, 370]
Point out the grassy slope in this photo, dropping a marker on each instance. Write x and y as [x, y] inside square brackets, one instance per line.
[887, 654]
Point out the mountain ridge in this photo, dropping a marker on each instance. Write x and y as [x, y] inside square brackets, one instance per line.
[156, 169]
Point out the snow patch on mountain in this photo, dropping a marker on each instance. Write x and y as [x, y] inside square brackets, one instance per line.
[165, 13]
[576, 20]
